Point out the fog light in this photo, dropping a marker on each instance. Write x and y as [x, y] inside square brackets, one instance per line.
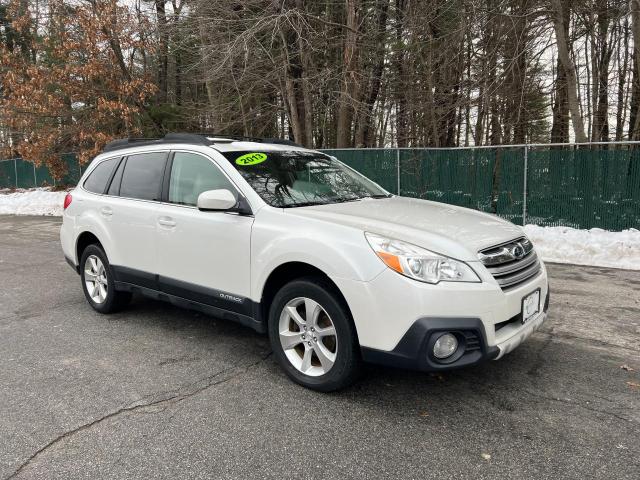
[445, 346]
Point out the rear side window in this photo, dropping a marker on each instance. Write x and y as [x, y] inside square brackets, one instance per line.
[114, 188]
[97, 180]
[142, 176]
[192, 174]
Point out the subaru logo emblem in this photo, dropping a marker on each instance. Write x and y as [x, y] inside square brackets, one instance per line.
[518, 251]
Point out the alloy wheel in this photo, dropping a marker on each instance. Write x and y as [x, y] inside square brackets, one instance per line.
[95, 279]
[308, 336]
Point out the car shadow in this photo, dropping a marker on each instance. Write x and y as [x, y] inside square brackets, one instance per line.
[493, 382]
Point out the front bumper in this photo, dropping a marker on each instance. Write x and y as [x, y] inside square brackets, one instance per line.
[414, 351]
[385, 308]
[392, 312]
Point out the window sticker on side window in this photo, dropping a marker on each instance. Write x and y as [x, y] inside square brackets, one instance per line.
[251, 159]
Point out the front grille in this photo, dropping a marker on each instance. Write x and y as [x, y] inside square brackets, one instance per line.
[511, 263]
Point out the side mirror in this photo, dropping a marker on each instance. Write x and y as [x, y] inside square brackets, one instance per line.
[220, 200]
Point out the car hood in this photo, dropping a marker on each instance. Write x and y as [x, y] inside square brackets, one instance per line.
[446, 229]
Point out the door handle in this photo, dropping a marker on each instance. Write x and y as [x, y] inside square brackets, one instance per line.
[106, 211]
[166, 222]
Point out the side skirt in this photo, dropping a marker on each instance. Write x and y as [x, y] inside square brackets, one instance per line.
[181, 302]
[186, 295]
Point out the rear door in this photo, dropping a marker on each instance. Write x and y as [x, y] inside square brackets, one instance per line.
[203, 256]
[136, 191]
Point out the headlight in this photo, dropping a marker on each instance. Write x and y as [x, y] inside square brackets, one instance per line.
[419, 263]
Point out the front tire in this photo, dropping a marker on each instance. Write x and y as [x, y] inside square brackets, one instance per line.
[98, 281]
[312, 335]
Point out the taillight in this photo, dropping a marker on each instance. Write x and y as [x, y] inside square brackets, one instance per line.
[67, 201]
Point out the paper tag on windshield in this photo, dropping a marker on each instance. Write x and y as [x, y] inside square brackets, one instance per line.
[251, 159]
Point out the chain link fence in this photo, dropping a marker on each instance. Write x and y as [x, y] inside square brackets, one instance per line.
[18, 173]
[581, 186]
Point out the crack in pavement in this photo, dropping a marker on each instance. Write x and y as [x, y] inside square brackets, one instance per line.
[497, 388]
[579, 405]
[166, 401]
[592, 342]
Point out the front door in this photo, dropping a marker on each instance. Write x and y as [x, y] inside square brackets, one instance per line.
[202, 255]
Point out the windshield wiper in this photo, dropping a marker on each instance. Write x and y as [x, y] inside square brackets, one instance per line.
[379, 195]
[336, 200]
[304, 204]
[343, 200]
[327, 202]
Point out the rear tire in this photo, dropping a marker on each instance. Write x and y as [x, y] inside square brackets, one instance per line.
[312, 335]
[98, 281]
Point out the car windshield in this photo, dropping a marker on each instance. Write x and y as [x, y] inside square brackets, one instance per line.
[298, 178]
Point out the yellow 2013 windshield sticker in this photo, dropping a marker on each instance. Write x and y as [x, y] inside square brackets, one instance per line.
[251, 159]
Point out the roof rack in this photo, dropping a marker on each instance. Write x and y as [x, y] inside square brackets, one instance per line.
[128, 142]
[193, 138]
[281, 141]
[230, 137]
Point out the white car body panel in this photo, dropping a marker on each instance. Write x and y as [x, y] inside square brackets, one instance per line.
[132, 225]
[446, 229]
[279, 237]
[208, 249]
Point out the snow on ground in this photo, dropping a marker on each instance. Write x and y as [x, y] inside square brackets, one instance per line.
[555, 244]
[35, 201]
[587, 247]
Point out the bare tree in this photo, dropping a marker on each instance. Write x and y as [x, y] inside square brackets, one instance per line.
[569, 68]
[349, 73]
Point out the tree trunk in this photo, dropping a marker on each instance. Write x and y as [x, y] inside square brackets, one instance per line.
[601, 121]
[177, 52]
[349, 79]
[565, 58]
[623, 65]
[560, 126]
[400, 84]
[515, 55]
[163, 51]
[366, 118]
[202, 31]
[494, 128]
[294, 116]
[634, 119]
[306, 99]
[292, 74]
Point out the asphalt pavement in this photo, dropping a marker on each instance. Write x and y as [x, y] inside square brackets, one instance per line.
[159, 392]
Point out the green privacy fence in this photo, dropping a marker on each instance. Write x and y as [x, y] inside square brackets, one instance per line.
[18, 173]
[582, 186]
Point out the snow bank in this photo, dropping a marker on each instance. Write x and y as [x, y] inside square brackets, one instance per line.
[587, 247]
[35, 201]
[555, 244]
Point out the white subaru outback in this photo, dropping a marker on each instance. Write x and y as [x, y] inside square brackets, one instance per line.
[293, 242]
